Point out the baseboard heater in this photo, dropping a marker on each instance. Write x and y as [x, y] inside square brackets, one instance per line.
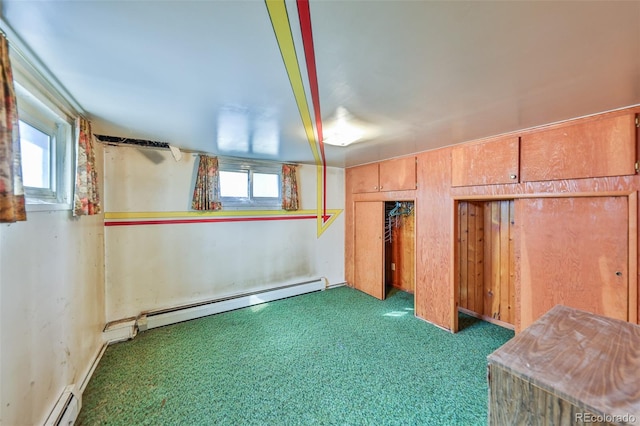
[66, 409]
[161, 317]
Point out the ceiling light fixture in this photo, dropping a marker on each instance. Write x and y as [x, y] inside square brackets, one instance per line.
[344, 129]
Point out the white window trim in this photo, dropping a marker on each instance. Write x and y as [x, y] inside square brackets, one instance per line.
[58, 125]
[253, 166]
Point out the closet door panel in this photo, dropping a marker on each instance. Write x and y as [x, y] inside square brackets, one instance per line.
[369, 248]
[574, 252]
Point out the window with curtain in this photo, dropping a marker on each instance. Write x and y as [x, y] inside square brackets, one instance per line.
[239, 184]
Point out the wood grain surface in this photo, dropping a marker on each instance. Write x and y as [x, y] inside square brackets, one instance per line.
[398, 174]
[435, 294]
[594, 148]
[369, 248]
[574, 252]
[514, 401]
[364, 178]
[403, 254]
[487, 162]
[588, 360]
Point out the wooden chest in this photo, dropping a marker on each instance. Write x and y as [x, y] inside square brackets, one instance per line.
[569, 367]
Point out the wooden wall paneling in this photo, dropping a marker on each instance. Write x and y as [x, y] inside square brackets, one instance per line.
[454, 271]
[575, 252]
[435, 297]
[487, 270]
[390, 276]
[505, 266]
[493, 287]
[364, 178]
[403, 254]
[479, 257]
[349, 229]
[472, 251]
[436, 257]
[511, 283]
[471, 256]
[369, 248]
[398, 174]
[408, 253]
[464, 252]
[594, 148]
[634, 314]
[494, 161]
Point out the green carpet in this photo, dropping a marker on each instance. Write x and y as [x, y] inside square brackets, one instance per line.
[332, 357]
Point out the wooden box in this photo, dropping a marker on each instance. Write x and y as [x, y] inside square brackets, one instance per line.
[570, 367]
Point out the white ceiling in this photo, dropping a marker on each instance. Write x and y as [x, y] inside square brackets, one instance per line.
[209, 76]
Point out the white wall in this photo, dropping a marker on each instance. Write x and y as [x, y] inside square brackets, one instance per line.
[158, 266]
[51, 309]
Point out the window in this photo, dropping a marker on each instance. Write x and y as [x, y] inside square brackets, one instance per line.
[45, 145]
[249, 184]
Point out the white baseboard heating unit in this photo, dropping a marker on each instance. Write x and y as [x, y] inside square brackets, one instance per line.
[66, 409]
[162, 317]
[128, 328]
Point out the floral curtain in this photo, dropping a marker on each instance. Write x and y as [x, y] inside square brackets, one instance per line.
[11, 189]
[289, 187]
[86, 198]
[206, 194]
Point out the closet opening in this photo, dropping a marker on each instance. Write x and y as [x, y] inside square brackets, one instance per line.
[399, 247]
[485, 273]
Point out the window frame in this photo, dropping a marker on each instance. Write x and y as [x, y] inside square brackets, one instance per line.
[251, 202]
[59, 128]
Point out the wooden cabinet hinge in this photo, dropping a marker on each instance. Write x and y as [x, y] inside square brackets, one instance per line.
[637, 167]
[637, 121]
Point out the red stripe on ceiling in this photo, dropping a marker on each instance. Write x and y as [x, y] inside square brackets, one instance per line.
[304, 14]
[186, 221]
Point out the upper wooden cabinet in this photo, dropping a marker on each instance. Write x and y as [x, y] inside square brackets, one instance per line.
[390, 175]
[595, 148]
[398, 174]
[364, 178]
[490, 162]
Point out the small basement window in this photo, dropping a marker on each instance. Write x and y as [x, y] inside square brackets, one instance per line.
[45, 148]
[250, 184]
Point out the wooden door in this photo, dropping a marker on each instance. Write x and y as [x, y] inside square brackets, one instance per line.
[369, 248]
[574, 252]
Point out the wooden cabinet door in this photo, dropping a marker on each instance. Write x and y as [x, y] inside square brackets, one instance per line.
[398, 174]
[364, 178]
[369, 248]
[574, 252]
[492, 162]
[596, 148]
